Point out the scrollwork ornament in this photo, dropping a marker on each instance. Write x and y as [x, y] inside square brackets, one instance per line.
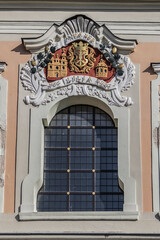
[34, 79]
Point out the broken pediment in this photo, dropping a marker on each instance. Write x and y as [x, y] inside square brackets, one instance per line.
[76, 28]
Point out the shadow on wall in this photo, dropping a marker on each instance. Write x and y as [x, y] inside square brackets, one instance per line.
[21, 49]
[149, 70]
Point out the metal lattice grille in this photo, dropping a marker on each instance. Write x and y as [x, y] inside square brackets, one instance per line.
[80, 165]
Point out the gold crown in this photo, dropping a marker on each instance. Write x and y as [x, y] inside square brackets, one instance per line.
[81, 45]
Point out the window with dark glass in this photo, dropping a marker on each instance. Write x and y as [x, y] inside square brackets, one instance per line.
[80, 162]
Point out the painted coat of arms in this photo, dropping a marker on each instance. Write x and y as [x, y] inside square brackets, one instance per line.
[83, 61]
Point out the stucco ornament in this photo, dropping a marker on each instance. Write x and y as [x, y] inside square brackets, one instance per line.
[88, 53]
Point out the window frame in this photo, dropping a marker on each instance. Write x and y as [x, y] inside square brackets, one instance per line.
[41, 117]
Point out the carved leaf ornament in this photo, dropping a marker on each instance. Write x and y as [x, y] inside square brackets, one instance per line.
[78, 58]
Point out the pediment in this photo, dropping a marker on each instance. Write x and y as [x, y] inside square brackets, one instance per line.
[78, 57]
[75, 28]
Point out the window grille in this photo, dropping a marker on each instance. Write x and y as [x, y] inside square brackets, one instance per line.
[80, 163]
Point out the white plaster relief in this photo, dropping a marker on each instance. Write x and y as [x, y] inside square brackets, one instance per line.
[73, 29]
[78, 28]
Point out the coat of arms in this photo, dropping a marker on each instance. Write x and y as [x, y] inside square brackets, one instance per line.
[81, 57]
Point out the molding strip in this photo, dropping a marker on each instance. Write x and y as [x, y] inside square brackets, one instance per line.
[81, 5]
[121, 28]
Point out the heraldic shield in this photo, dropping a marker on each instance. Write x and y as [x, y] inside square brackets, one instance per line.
[80, 54]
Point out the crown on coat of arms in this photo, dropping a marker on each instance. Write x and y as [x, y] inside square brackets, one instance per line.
[80, 46]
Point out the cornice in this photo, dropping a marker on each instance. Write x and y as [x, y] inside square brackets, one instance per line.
[82, 5]
[117, 27]
[75, 25]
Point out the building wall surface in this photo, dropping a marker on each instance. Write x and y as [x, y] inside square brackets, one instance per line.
[137, 20]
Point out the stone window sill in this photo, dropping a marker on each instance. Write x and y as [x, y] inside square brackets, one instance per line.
[79, 216]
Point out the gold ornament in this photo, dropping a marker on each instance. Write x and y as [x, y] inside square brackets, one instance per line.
[81, 57]
[114, 50]
[33, 62]
[58, 65]
[121, 65]
[101, 68]
[46, 48]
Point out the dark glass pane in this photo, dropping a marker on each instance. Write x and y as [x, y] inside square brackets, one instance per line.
[81, 116]
[56, 138]
[55, 159]
[81, 182]
[60, 119]
[55, 182]
[81, 159]
[106, 202]
[52, 203]
[105, 160]
[81, 138]
[102, 119]
[107, 182]
[81, 202]
[104, 138]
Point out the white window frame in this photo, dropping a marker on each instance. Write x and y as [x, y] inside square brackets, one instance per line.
[41, 117]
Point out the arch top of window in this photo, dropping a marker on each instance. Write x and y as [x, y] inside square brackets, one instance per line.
[81, 101]
[79, 111]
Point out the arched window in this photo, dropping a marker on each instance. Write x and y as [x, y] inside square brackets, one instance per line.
[80, 165]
